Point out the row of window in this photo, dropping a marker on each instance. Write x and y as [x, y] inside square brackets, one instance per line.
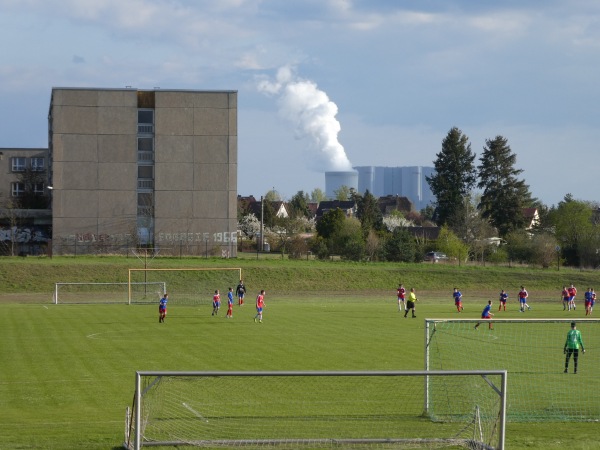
[145, 175]
[17, 189]
[19, 164]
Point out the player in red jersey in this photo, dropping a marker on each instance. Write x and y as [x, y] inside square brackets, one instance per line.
[216, 303]
[401, 292]
[503, 298]
[523, 294]
[260, 304]
[572, 293]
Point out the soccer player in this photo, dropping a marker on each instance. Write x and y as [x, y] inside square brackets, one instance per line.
[572, 293]
[593, 301]
[572, 345]
[240, 291]
[503, 298]
[523, 294]
[229, 314]
[162, 308]
[565, 297]
[457, 300]
[410, 303]
[260, 304]
[401, 292]
[216, 303]
[486, 314]
[588, 301]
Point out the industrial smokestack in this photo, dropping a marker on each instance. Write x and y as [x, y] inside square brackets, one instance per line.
[313, 114]
[335, 180]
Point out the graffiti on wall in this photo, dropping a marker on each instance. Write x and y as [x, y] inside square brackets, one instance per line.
[224, 237]
[25, 235]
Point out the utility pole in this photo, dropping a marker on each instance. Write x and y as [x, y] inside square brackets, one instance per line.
[262, 223]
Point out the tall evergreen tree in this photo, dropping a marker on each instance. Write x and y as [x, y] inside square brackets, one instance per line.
[368, 212]
[299, 205]
[504, 195]
[453, 179]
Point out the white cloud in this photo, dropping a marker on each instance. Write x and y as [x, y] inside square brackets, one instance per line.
[400, 77]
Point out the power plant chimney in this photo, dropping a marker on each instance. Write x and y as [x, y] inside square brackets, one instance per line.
[335, 180]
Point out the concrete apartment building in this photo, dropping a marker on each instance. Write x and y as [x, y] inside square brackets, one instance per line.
[24, 228]
[153, 167]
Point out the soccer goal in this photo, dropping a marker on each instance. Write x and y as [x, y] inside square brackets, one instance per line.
[291, 410]
[94, 293]
[531, 350]
[188, 286]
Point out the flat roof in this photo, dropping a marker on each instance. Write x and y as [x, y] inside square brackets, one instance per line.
[156, 89]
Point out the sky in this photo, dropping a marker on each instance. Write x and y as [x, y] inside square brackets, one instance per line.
[331, 84]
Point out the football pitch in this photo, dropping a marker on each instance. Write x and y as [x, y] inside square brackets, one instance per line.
[67, 372]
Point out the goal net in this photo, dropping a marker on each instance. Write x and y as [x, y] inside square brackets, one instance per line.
[145, 292]
[531, 350]
[187, 286]
[293, 410]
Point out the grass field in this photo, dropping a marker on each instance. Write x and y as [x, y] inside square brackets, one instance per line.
[68, 371]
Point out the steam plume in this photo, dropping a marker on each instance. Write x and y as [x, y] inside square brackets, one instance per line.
[306, 106]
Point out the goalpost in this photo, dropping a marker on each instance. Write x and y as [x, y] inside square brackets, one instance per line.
[290, 410]
[531, 350]
[188, 286]
[92, 293]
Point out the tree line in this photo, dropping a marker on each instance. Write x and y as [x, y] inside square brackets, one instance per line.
[483, 213]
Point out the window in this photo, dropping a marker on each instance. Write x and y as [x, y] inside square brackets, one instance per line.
[145, 177]
[37, 164]
[17, 189]
[145, 149]
[18, 164]
[145, 116]
[146, 172]
[38, 188]
[145, 202]
[145, 121]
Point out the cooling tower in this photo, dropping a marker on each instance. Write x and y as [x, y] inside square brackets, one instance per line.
[335, 180]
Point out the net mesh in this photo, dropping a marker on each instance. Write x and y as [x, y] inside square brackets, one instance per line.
[96, 293]
[188, 286]
[532, 353]
[366, 411]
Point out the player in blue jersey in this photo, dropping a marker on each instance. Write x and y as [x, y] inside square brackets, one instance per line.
[162, 308]
[240, 291]
[486, 314]
[588, 301]
[565, 297]
[503, 299]
[229, 314]
[457, 300]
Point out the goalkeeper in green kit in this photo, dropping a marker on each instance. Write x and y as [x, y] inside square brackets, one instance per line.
[572, 345]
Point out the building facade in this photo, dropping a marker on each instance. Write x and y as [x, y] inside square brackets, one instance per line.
[25, 217]
[407, 182]
[144, 167]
